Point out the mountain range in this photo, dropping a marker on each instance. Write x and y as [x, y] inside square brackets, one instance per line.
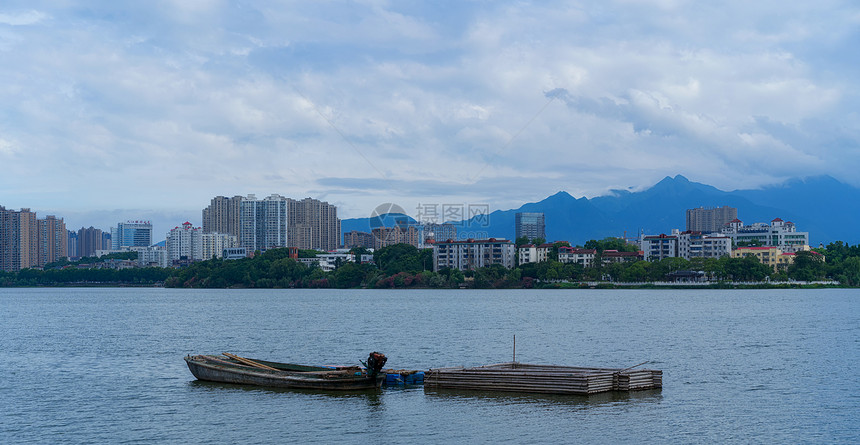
[820, 205]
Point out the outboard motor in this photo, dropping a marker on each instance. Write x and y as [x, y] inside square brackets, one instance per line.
[375, 362]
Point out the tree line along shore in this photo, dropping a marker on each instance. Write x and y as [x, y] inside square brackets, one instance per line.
[404, 266]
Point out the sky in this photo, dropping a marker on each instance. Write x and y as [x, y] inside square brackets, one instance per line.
[146, 110]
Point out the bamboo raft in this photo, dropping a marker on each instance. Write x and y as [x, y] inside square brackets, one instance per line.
[546, 379]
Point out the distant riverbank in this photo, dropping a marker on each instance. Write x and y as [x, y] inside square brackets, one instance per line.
[535, 286]
[402, 266]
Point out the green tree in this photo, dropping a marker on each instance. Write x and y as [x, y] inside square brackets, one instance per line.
[308, 253]
[807, 266]
[659, 270]
[400, 258]
[286, 269]
[850, 271]
[351, 275]
[634, 272]
[610, 244]
[358, 251]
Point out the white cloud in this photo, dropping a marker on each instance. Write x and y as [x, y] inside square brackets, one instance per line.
[22, 18]
[7, 149]
[176, 102]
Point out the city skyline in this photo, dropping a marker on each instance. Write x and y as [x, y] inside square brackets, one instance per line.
[120, 111]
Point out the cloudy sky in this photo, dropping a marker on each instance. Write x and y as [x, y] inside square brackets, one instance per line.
[146, 110]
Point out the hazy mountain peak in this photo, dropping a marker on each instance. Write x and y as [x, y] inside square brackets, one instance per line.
[820, 205]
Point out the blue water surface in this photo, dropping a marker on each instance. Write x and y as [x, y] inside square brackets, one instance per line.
[739, 366]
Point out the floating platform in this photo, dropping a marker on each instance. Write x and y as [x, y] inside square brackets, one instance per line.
[545, 379]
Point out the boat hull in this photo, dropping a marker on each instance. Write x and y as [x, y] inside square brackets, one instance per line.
[213, 371]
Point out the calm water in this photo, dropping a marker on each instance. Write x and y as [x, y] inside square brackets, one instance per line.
[105, 365]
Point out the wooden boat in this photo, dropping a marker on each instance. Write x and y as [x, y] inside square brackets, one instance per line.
[245, 371]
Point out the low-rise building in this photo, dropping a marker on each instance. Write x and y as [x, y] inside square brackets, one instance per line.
[769, 255]
[542, 252]
[471, 254]
[687, 245]
[214, 244]
[585, 257]
[527, 253]
[153, 256]
[699, 245]
[778, 233]
[658, 247]
[614, 256]
[149, 256]
[329, 261]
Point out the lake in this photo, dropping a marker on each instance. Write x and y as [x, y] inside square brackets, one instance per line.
[739, 366]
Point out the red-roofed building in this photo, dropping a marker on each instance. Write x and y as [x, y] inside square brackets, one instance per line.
[770, 255]
[585, 257]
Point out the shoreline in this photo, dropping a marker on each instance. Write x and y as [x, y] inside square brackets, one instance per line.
[546, 286]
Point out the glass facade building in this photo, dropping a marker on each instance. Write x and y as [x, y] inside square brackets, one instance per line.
[131, 234]
[530, 225]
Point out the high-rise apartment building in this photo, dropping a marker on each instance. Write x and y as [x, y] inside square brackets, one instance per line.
[72, 248]
[90, 240]
[277, 221]
[53, 239]
[223, 215]
[711, 219]
[184, 242]
[26, 241]
[18, 239]
[314, 225]
[530, 225]
[264, 222]
[131, 234]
